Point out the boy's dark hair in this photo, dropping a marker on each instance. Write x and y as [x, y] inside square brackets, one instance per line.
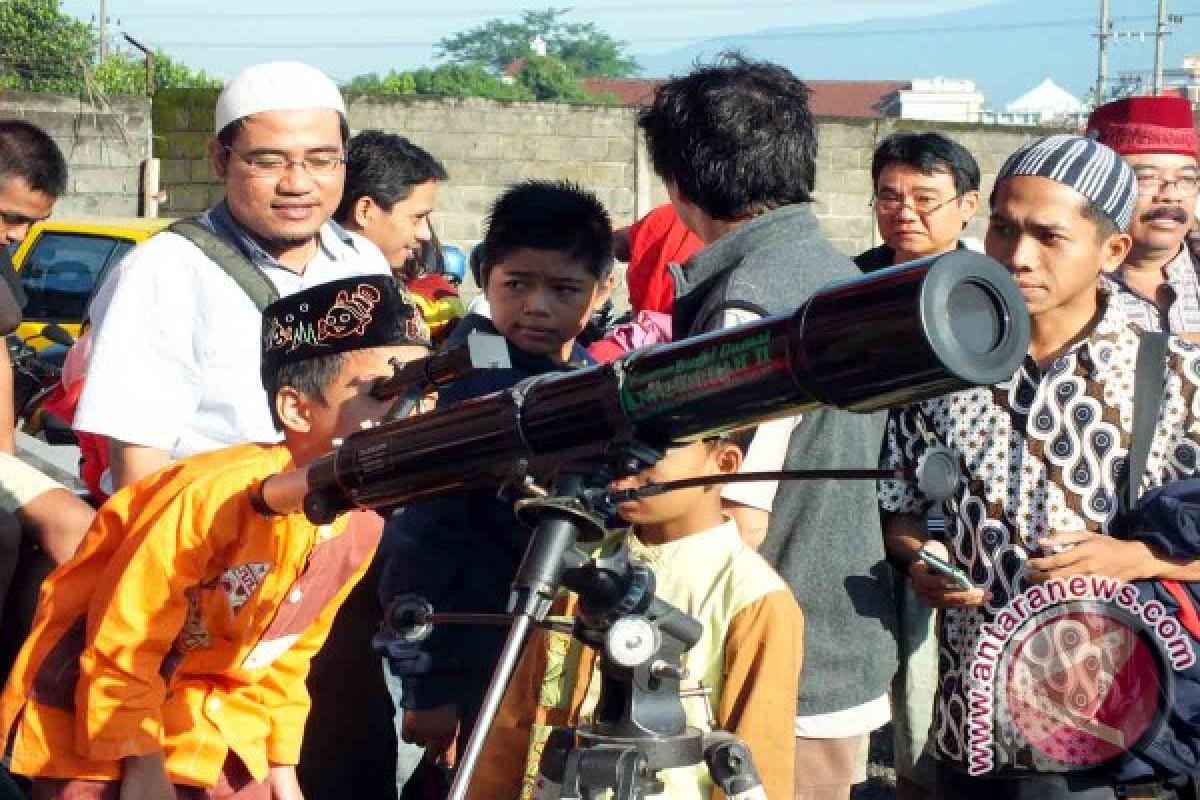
[736, 138]
[548, 215]
[385, 167]
[27, 152]
[311, 376]
[927, 152]
[228, 135]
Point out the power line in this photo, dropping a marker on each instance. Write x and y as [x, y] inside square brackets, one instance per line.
[504, 10]
[797, 34]
[427, 13]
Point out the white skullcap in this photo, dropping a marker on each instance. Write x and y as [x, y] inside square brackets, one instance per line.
[276, 86]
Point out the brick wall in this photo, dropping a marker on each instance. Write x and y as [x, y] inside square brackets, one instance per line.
[104, 143]
[487, 145]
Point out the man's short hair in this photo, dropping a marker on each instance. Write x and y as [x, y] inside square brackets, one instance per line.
[385, 167]
[735, 138]
[312, 376]
[549, 215]
[27, 152]
[927, 152]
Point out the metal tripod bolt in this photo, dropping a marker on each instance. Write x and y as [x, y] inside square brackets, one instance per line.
[632, 641]
[667, 670]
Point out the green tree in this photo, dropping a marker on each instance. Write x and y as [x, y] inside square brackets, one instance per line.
[456, 80]
[588, 51]
[124, 73]
[41, 48]
[446, 80]
[392, 83]
[547, 78]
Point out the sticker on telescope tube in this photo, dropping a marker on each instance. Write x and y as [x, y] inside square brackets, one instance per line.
[690, 379]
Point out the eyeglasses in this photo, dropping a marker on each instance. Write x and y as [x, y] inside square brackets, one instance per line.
[317, 165]
[1153, 183]
[921, 206]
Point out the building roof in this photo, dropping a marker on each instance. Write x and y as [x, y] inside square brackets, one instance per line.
[829, 98]
[1046, 98]
[627, 91]
[854, 98]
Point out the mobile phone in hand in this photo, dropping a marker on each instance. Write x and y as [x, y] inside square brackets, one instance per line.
[943, 567]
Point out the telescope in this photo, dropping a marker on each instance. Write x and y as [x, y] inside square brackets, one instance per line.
[893, 337]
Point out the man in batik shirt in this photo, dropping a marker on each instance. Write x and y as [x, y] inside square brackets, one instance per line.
[1041, 459]
[1157, 286]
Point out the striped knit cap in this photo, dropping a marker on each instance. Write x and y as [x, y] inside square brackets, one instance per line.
[1088, 167]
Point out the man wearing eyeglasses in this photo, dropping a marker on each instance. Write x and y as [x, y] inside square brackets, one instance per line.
[926, 191]
[175, 363]
[1157, 286]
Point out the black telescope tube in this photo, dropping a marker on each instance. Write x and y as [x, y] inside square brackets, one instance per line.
[893, 337]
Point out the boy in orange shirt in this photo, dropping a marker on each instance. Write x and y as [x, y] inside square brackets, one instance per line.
[168, 658]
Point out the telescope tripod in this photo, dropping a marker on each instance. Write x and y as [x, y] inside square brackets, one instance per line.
[639, 727]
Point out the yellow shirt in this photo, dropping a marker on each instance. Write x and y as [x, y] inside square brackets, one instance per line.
[185, 623]
[748, 656]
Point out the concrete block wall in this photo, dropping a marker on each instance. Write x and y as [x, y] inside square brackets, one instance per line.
[104, 143]
[844, 190]
[487, 145]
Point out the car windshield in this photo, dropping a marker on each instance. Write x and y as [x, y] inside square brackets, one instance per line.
[61, 271]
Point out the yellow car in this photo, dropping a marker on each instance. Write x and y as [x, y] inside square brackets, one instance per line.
[61, 263]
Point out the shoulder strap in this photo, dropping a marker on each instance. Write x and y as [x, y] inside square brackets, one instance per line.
[1148, 385]
[249, 277]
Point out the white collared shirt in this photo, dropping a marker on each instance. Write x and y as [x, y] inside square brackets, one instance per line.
[175, 360]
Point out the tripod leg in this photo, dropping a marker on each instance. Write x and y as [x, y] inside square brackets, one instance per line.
[509, 656]
[731, 765]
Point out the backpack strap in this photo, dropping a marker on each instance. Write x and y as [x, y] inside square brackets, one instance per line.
[231, 261]
[1149, 381]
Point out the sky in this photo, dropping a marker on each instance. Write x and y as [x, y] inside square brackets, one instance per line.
[1005, 46]
[352, 37]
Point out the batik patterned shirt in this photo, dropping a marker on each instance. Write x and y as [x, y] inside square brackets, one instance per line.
[1043, 452]
[1182, 315]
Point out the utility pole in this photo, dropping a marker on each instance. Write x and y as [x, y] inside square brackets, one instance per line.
[1102, 68]
[103, 29]
[1160, 36]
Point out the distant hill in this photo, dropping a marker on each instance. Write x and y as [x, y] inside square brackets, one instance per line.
[1006, 48]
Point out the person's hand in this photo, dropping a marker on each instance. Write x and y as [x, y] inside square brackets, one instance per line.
[938, 591]
[284, 783]
[145, 778]
[1087, 553]
[435, 729]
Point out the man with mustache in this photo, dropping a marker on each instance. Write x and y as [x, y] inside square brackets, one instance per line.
[1157, 286]
[175, 364]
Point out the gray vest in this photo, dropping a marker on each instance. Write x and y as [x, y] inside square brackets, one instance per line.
[824, 537]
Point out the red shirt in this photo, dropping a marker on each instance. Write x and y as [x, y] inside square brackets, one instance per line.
[656, 240]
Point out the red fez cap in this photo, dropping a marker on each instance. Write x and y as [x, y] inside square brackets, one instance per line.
[1135, 125]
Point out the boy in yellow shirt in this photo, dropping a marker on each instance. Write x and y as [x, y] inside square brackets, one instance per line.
[749, 654]
[169, 656]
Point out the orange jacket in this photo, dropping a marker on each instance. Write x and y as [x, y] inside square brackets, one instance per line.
[185, 623]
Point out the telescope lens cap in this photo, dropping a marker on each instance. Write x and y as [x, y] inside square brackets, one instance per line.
[937, 473]
[974, 317]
